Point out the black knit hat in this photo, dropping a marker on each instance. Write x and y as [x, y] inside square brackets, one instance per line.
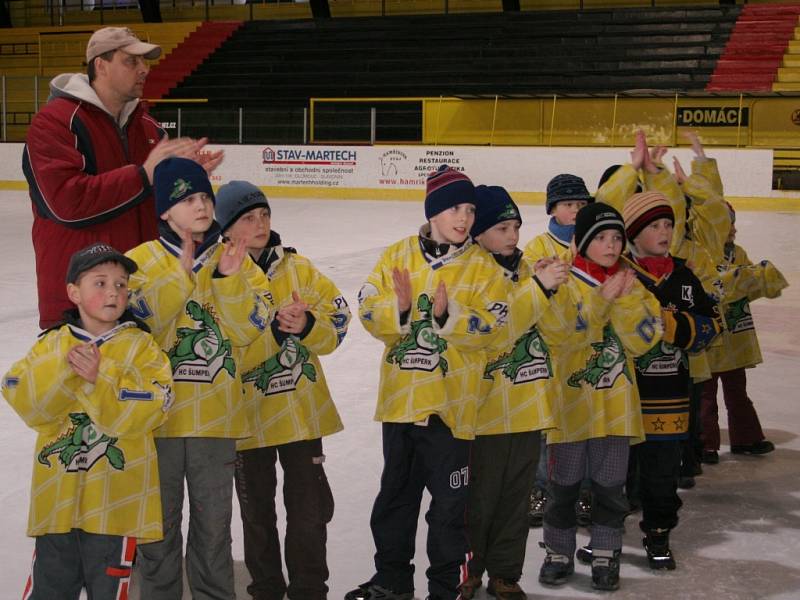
[493, 205]
[566, 187]
[591, 220]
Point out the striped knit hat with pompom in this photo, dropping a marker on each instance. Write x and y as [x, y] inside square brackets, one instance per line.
[446, 188]
[642, 209]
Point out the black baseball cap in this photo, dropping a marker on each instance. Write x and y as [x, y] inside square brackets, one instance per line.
[94, 255]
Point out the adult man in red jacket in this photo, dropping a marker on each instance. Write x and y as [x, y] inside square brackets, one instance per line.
[89, 161]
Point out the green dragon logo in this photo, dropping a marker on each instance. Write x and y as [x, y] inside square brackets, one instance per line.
[509, 212]
[199, 354]
[281, 372]
[81, 446]
[529, 360]
[604, 366]
[738, 317]
[180, 189]
[662, 359]
[421, 348]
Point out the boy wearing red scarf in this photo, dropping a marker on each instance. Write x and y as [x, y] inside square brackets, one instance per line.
[600, 414]
[691, 320]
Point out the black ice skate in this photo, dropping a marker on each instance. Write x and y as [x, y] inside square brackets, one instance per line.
[556, 568]
[656, 544]
[605, 569]
[371, 591]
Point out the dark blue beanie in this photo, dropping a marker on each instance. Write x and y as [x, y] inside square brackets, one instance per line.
[176, 178]
[493, 205]
[566, 187]
[446, 188]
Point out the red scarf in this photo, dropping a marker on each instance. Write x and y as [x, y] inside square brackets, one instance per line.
[656, 265]
[595, 270]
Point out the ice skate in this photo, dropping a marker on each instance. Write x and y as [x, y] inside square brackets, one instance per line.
[605, 569]
[656, 544]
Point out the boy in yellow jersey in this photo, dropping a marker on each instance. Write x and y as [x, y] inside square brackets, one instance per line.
[518, 394]
[739, 351]
[566, 195]
[436, 301]
[698, 226]
[288, 404]
[94, 388]
[201, 298]
[600, 414]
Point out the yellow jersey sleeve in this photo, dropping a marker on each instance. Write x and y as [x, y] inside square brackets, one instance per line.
[619, 187]
[160, 287]
[39, 386]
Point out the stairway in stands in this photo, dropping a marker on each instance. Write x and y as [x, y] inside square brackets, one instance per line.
[756, 48]
[184, 59]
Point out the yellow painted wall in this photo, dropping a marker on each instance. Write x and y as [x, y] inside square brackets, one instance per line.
[773, 122]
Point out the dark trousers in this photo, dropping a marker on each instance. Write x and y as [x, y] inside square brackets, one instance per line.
[416, 458]
[502, 471]
[744, 428]
[659, 465]
[309, 508]
[65, 563]
[692, 446]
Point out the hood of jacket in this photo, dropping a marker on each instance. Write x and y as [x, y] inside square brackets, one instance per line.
[77, 87]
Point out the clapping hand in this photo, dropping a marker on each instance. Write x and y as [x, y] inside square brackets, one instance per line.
[292, 318]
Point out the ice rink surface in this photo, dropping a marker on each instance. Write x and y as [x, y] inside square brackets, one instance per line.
[739, 535]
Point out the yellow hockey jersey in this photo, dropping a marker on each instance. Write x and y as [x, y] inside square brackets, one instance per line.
[709, 221]
[284, 387]
[95, 466]
[426, 368]
[745, 282]
[595, 362]
[520, 390]
[546, 245]
[198, 319]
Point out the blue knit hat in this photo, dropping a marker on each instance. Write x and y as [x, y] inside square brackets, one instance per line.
[176, 178]
[446, 188]
[566, 187]
[236, 198]
[493, 205]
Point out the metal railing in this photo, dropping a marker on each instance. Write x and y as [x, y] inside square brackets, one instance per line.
[25, 13]
[66, 12]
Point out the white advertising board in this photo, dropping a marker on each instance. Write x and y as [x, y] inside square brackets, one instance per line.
[310, 169]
